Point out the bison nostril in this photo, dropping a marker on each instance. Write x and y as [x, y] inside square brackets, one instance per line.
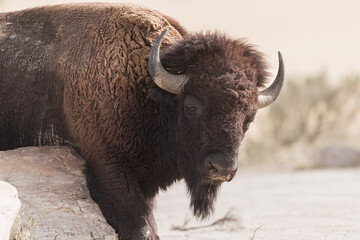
[212, 167]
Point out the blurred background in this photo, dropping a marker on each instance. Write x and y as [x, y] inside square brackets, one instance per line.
[315, 122]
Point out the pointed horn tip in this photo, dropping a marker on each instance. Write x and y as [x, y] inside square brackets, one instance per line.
[270, 94]
[164, 32]
[280, 56]
[161, 36]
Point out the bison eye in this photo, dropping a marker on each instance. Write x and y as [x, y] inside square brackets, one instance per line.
[191, 110]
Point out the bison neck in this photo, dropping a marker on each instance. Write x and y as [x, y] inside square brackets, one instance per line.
[160, 148]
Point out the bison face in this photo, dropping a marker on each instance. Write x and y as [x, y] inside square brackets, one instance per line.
[211, 122]
[211, 131]
[216, 100]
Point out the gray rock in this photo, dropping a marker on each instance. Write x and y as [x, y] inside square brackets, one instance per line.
[9, 208]
[55, 200]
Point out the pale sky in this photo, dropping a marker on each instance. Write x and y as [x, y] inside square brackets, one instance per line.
[313, 35]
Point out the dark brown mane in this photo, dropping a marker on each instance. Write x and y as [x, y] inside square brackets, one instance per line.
[218, 54]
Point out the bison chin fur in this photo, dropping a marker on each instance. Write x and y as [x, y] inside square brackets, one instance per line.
[203, 197]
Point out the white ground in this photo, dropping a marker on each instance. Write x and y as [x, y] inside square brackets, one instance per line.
[314, 205]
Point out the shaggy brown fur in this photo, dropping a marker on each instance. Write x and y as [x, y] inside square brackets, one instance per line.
[78, 75]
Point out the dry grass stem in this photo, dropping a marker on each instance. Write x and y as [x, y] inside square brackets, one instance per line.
[253, 235]
[229, 217]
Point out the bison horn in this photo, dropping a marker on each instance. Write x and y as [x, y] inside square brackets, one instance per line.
[169, 82]
[269, 95]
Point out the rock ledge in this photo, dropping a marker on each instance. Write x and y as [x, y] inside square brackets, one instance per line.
[55, 200]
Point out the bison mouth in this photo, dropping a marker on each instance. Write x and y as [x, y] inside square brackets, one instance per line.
[210, 180]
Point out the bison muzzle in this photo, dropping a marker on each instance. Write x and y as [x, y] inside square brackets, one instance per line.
[143, 101]
[220, 167]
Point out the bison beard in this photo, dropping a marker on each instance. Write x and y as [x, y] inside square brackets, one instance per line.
[203, 197]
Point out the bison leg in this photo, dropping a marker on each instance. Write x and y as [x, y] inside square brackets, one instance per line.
[122, 202]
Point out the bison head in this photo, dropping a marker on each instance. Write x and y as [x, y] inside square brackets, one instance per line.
[213, 81]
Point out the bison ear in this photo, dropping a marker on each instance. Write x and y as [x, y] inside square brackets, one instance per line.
[161, 96]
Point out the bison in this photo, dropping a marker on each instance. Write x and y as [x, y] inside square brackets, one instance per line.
[143, 114]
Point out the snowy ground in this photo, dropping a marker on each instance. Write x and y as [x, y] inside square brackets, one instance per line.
[316, 204]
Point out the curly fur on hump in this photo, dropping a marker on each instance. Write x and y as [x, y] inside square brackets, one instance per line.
[113, 67]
